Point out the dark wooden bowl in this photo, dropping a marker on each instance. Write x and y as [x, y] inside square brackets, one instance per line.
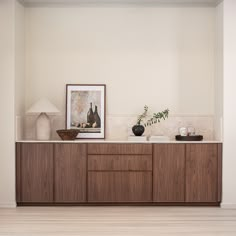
[68, 134]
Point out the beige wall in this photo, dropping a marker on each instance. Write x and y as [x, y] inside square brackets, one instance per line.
[20, 58]
[219, 74]
[19, 68]
[163, 57]
[229, 160]
[12, 96]
[7, 103]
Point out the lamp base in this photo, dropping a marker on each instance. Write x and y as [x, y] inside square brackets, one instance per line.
[43, 127]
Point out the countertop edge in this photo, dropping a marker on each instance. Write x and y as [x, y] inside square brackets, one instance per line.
[115, 141]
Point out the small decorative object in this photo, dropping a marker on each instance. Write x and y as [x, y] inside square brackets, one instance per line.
[188, 134]
[183, 131]
[191, 131]
[139, 129]
[44, 108]
[85, 109]
[68, 134]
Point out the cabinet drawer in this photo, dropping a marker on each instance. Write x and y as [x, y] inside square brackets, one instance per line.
[120, 186]
[120, 162]
[119, 149]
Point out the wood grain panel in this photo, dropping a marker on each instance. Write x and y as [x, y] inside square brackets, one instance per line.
[36, 172]
[120, 162]
[120, 186]
[219, 172]
[119, 149]
[70, 172]
[18, 172]
[201, 172]
[169, 173]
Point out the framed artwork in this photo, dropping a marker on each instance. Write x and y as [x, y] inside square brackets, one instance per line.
[85, 109]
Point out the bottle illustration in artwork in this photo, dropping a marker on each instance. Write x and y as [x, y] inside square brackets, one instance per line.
[90, 115]
[97, 120]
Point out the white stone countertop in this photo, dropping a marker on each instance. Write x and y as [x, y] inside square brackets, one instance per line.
[113, 141]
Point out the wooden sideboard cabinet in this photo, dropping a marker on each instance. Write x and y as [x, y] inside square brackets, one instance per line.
[118, 173]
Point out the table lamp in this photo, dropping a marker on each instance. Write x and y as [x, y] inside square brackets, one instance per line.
[43, 107]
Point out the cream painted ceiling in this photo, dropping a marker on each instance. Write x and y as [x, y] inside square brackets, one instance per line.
[143, 2]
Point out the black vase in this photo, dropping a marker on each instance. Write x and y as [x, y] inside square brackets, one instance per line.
[138, 130]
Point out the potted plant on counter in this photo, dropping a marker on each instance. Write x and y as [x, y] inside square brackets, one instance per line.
[139, 129]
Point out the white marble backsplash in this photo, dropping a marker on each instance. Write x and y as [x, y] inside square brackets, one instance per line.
[120, 127]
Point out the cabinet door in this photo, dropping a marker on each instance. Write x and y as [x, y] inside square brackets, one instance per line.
[36, 172]
[201, 173]
[168, 172]
[119, 186]
[70, 172]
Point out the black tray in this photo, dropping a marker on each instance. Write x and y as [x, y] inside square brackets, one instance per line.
[189, 138]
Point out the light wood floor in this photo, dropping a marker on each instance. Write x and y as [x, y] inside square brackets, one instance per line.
[103, 221]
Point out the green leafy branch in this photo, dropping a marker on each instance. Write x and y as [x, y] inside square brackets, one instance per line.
[143, 115]
[157, 117]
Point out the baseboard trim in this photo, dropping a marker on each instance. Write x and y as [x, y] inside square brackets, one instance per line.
[228, 205]
[174, 204]
[7, 205]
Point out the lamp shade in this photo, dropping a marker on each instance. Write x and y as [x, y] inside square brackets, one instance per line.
[43, 106]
